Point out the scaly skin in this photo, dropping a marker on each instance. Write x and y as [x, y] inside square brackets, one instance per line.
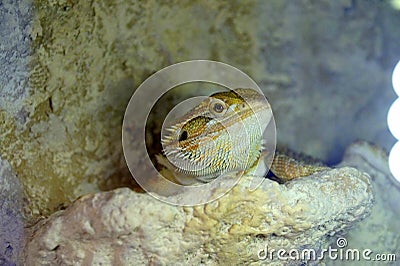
[287, 168]
[223, 134]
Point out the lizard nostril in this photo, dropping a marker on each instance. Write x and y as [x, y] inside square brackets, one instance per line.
[183, 136]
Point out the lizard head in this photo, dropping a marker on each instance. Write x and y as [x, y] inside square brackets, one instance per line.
[221, 134]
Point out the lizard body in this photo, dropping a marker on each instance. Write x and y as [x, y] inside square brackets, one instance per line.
[223, 134]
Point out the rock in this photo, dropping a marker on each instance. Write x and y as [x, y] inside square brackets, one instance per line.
[11, 218]
[62, 125]
[122, 227]
[69, 67]
[15, 55]
[380, 231]
[308, 71]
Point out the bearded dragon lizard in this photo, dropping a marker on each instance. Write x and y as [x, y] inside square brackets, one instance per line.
[224, 133]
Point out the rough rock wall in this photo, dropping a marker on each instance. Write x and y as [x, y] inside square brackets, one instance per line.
[15, 54]
[327, 72]
[71, 67]
[12, 232]
[88, 59]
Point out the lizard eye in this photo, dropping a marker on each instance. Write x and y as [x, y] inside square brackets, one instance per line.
[217, 107]
[183, 136]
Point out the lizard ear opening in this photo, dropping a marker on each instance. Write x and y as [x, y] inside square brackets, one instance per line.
[183, 136]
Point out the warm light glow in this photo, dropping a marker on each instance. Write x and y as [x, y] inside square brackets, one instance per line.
[393, 119]
[396, 78]
[394, 161]
[396, 4]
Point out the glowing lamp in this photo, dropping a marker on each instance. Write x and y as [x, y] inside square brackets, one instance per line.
[393, 119]
[396, 78]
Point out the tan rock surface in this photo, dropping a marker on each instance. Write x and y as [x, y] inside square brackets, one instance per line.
[122, 227]
[380, 231]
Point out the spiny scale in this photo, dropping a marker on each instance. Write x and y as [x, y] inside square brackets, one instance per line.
[287, 168]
